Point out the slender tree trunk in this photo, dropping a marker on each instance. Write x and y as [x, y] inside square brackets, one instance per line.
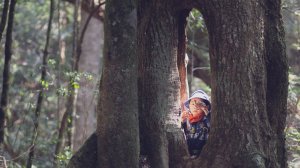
[6, 75]
[60, 100]
[72, 98]
[159, 82]
[85, 120]
[41, 92]
[117, 124]
[4, 17]
[66, 123]
[240, 87]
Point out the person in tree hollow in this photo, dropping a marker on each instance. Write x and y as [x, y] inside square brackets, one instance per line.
[195, 121]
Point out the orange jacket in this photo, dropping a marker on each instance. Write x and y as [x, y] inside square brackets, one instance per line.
[195, 117]
[192, 117]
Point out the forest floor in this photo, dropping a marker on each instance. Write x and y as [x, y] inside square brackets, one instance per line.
[293, 139]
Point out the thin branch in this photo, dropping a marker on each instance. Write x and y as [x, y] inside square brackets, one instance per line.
[3, 18]
[95, 10]
[88, 9]
[10, 150]
[58, 144]
[20, 155]
[60, 135]
[41, 92]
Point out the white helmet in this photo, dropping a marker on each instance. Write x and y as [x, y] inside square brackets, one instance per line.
[199, 94]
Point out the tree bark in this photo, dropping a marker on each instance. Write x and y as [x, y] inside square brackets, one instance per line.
[159, 83]
[4, 17]
[241, 88]
[117, 124]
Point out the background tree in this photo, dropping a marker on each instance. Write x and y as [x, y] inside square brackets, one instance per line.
[29, 39]
[90, 65]
[4, 17]
[6, 71]
[42, 87]
[67, 118]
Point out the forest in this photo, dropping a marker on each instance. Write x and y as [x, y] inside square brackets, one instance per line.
[103, 83]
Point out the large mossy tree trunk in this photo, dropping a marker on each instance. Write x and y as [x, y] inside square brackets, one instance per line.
[117, 124]
[248, 111]
[159, 83]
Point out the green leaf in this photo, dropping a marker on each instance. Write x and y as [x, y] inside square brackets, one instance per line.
[75, 85]
[45, 84]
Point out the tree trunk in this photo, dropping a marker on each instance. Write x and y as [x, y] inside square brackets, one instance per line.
[117, 124]
[41, 91]
[242, 133]
[66, 123]
[6, 75]
[72, 97]
[159, 83]
[91, 51]
[4, 17]
[245, 132]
